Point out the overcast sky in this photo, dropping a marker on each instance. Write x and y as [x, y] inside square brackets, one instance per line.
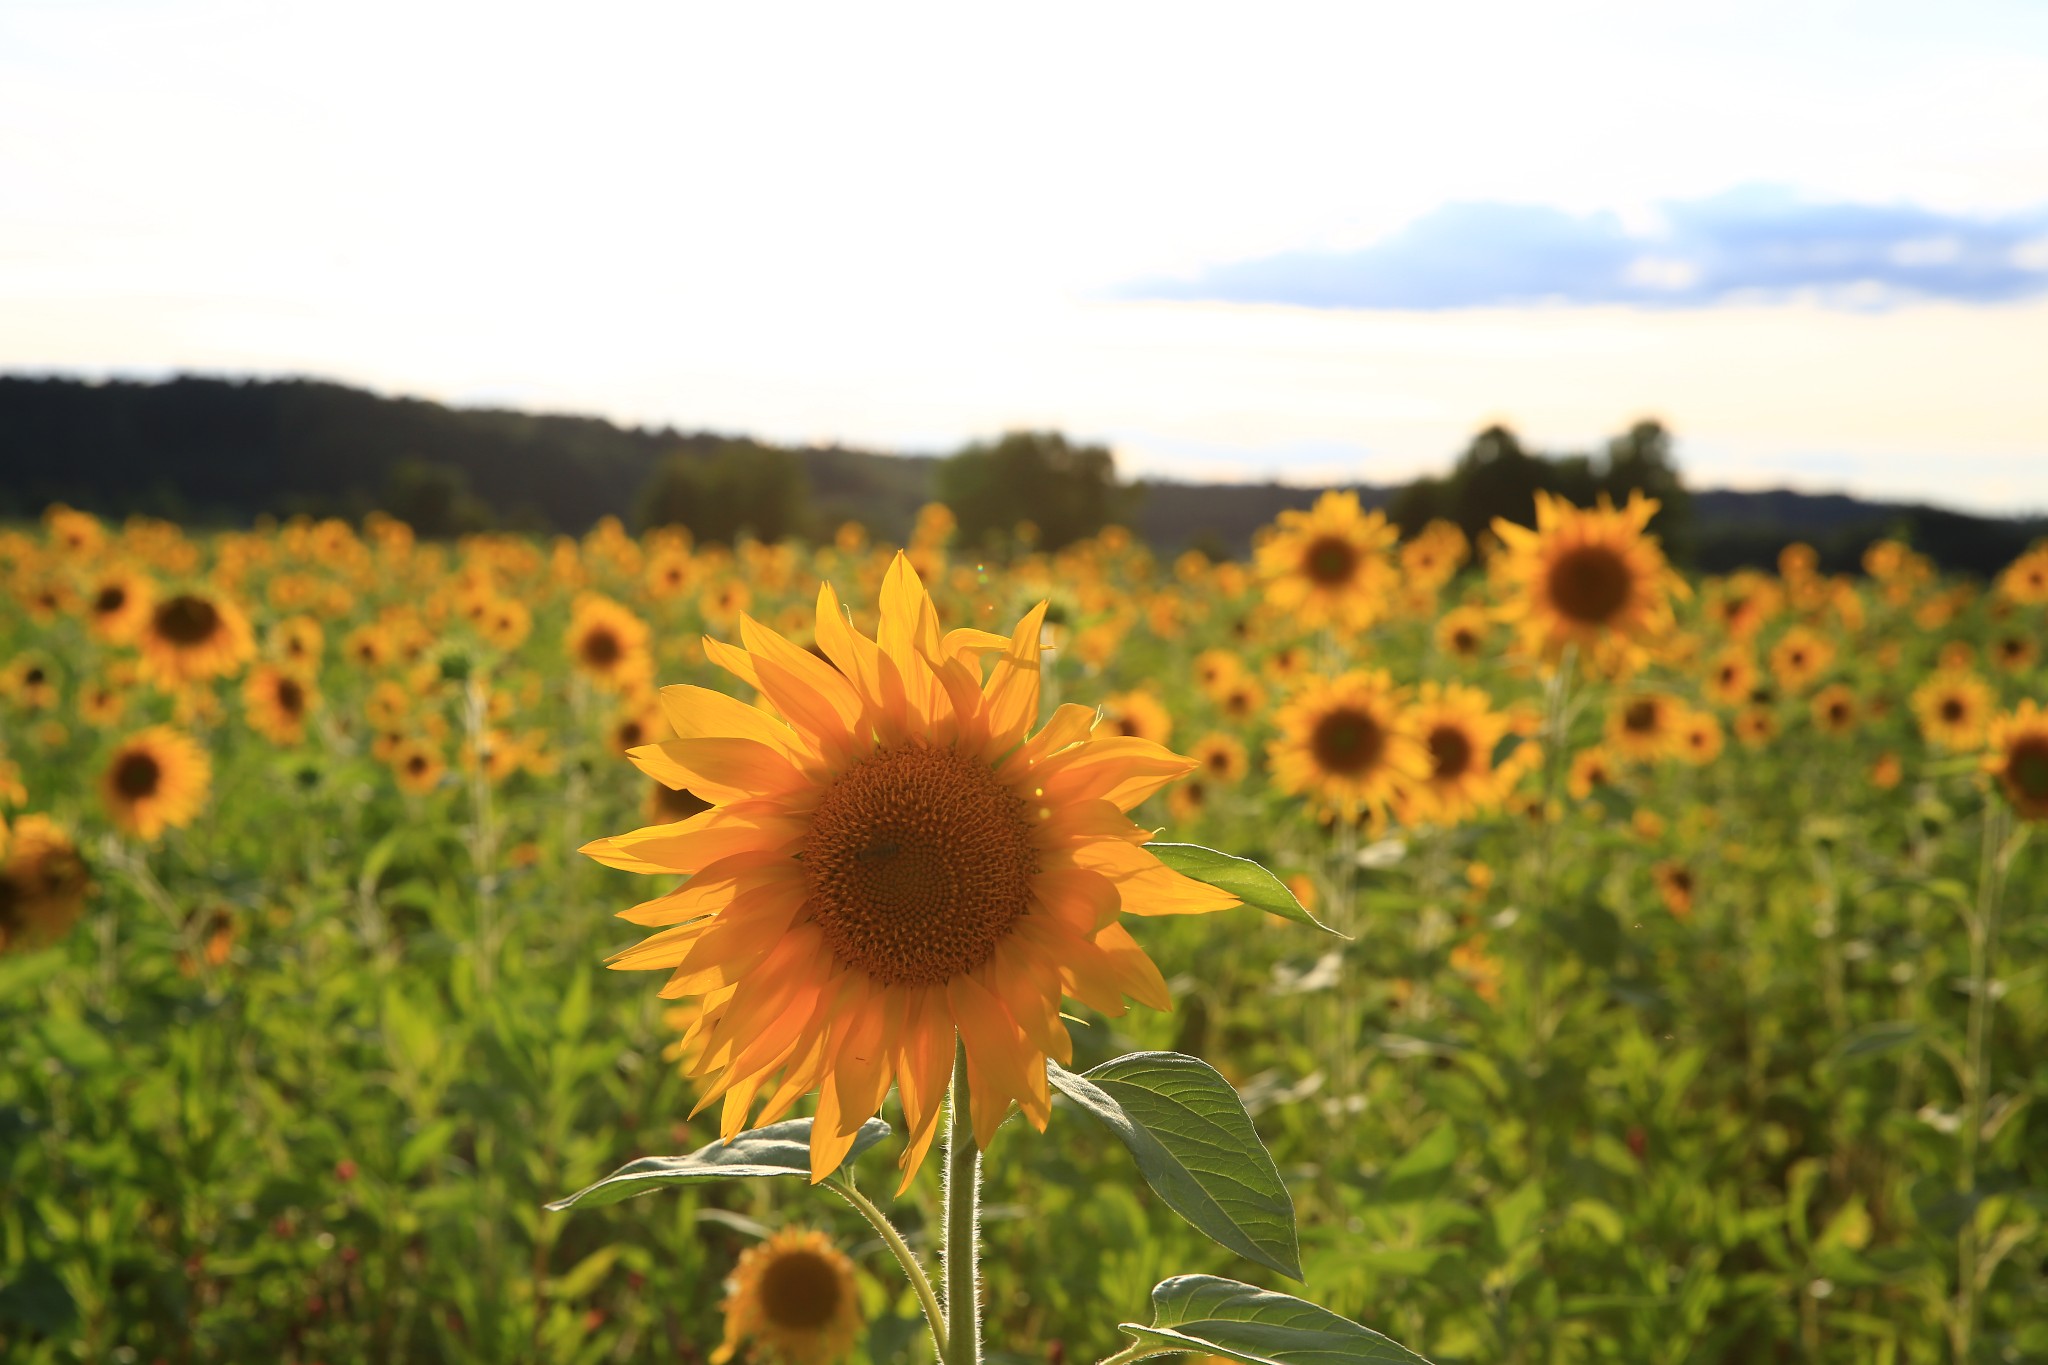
[1298, 242]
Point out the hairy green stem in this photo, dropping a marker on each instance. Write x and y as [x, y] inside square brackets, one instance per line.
[913, 1269]
[1983, 936]
[963, 1223]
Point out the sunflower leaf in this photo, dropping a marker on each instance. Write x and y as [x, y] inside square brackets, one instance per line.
[1201, 1314]
[1196, 1147]
[1241, 877]
[779, 1149]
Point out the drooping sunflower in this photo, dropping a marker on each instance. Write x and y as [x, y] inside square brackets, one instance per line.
[1347, 743]
[1460, 729]
[276, 703]
[2019, 759]
[1675, 885]
[1591, 769]
[607, 641]
[43, 883]
[156, 780]
[1643, 726]
[117, 605]
[1953, 707]
[794, 1297]
[1330, 565]
[192, 636]
[894, 863]
[1590, 576]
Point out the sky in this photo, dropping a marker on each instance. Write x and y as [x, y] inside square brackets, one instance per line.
[1299, 242]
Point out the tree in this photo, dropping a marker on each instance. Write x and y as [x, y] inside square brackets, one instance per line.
[434, 499]
[1067, 491]
[740, 489]
[1640, 460]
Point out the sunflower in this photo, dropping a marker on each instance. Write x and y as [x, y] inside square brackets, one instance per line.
[2019, 759]
[30, 682]
[1462, 633]
[298, 640]
[1434, 554]
[1480, 970]
[1216, 670]
[1834, 709]
[1221, 757]
[193, 636]
[1644, 726]
[157, 779]
[1460, 728]
[505, 623]
[1137, 715]
[276, 704]
[370, 646]
[1329, 565]
[1699, 739]
[1591, 576]
[1800, 657]
[794, 1297]
[117, 605]
[1887, 772]
[669, 571]
[1675, 885]
[667, 805]
[895, 865]
[1591, 768]
[1347, 743]
[2025, 580]
[1188, 799]
[1756, 725]
[1287, 664]
[2014, 653]
[43, 883]
[416, 764]
[1953, 708]
[1731, 677]
[1743, 602]
[637, 725]
[1243, 700]
[607, 642]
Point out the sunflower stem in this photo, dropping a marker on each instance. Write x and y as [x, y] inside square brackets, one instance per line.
[913, 1269]
[963, 1223]
[1999, 846]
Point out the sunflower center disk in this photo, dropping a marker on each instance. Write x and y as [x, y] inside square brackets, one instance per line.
[137, 776]
[799, 1290]
[1451, 751]
[187, 620]
[2028, 768]
[1330, 560]
[601, 648]
[1589, 584]
[918, 862]
[1347, 742]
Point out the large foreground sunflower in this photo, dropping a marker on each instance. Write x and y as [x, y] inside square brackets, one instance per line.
[156, 779]
[891, 860]
[1590, 576]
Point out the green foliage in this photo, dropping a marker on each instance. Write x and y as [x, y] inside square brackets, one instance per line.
[1066, 491]
[742, 489]
[1200, 1313]
[1196, 1147]
[780, 1149]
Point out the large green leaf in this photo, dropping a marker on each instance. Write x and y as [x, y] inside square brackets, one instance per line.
[1196, 1147]
[1241, 877]
[1202, 1314]
[779, 1149]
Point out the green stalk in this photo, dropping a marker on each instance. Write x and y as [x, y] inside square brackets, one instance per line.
[844, 1187]
[1983, 934]
[963, 1218]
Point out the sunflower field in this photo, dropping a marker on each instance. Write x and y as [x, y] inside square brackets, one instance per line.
[1687, 1000]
